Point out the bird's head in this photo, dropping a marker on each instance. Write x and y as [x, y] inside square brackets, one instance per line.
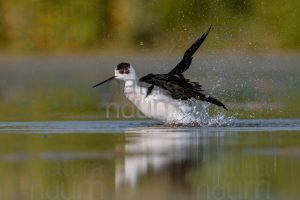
[123, 71]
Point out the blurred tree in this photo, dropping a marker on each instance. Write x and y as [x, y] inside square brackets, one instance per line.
[240, 7]
[4, 38]
[50, 25]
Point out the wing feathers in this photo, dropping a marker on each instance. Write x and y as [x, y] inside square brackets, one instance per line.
[174, 82]
[186, 61]
[180, 88]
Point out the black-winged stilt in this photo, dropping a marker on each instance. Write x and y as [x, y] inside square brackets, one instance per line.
[163, 99]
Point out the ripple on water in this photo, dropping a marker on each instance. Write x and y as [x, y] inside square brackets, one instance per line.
[144, 126]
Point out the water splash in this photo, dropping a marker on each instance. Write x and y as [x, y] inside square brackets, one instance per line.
[199, 114]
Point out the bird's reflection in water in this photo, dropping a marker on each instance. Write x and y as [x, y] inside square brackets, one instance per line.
[159, 153]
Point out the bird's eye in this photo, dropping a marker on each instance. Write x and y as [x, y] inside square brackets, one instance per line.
[123, 71]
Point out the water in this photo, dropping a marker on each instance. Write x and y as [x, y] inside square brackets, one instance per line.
[247, 159]
[197, 113]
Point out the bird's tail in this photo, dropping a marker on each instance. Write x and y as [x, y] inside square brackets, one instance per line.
[211, 100]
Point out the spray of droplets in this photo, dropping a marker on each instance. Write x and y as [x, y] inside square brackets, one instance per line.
[198, 114]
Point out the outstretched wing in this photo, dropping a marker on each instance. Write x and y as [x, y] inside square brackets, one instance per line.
[180, 88]
[186, 61]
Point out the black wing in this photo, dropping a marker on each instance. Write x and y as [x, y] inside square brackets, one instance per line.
[180, 88]
[149, 89]
[186, 61]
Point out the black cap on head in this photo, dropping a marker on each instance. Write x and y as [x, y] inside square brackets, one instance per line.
[123, 65]
[123, 68]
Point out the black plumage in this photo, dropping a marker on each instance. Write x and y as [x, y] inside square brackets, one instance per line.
[180, 88]
[175, 83]
[186, 61]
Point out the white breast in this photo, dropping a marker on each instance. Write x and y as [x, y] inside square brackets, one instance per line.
[158, 105]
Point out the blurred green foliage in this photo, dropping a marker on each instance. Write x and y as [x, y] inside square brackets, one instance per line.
[66, 25]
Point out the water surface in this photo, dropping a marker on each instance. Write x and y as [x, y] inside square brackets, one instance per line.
[248, 159]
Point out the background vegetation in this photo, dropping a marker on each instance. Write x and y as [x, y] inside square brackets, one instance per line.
[74, 25]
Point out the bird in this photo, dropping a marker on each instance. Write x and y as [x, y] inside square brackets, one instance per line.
[167, 95]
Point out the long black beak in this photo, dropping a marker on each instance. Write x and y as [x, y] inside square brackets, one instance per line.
[109, 79]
